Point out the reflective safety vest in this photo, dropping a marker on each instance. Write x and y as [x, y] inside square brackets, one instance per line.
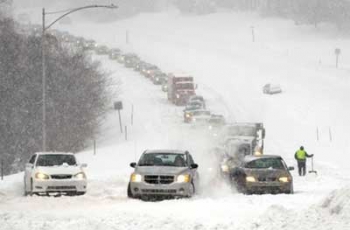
[301, 155]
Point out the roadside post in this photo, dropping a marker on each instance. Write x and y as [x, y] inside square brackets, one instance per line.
[2, 169]
[118, 105]
[337, 52]
[253, 34]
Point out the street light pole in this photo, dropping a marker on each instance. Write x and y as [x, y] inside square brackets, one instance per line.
[43, 63]
[43, 54]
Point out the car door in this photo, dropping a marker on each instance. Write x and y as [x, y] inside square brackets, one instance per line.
[29, 169]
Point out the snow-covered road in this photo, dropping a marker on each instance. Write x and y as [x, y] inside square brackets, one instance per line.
[230, 71]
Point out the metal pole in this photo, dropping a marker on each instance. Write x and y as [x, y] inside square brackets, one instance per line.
[120, 122]
[318, 137]
[127, 37]
[132, 114]
[330, 134]
[2, 169]
[126, 133]
[43, 66]
[336, 60]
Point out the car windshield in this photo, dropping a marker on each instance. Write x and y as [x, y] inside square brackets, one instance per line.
[242, 131]
[55, 159]
[265, 163]
[185, 86]
[163, 159]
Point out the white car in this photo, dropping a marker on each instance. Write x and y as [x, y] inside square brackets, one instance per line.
[52, 172]
[272, 89]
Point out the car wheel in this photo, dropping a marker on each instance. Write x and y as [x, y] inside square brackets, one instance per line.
[129, 192]
[192, 191]
[291, 189]
[25, 189]
[30, 193]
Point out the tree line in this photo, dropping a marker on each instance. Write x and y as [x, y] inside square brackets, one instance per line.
[77, 96]
[310, 12]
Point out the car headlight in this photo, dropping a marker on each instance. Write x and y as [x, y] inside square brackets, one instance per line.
[210, 127]
[183, 178]
[188, 115]
[135, 177]
[177, 96]
[193, 119]
[284, 179]
[157, 79]
[148, 71]
[41, 176]
[80, 176]
[250, 179]
[257, 153]
[224, 168]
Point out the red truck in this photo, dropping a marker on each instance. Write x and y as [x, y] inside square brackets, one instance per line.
[180, 88]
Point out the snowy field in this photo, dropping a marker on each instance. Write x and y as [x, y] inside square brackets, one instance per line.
[230, 70]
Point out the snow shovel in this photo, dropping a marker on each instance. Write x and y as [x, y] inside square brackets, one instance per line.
[312, 166]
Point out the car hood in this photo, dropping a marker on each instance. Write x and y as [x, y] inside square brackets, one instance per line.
[160, 170]
[266, 172]
[60, 170]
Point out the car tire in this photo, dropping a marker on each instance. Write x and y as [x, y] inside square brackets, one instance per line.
[291, 189]
[129, 193]
[193, 190]
[80, 193]
[31, 193]
[25, 189]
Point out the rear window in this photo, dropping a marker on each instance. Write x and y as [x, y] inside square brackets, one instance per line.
[265, 163]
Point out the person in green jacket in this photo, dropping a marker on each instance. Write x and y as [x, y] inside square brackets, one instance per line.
[301, 156]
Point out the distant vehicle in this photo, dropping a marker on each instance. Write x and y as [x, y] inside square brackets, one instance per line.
[54, 173]
[263, 174]
[114, 53]
[102, 50]
[148, 70]
[163, 174]
[197, 98]
[89, 44]
[272, 89]
[180, 88]
[121, 58]
[216, 123]
[130, 59]
[159, 78]
[251, 132]
[140, 65]
[190, 107]
[165, 87]
[200, 117]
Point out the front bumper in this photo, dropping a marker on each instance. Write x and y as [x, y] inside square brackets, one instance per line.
[174, 189]
[268, 187]
[64, 186]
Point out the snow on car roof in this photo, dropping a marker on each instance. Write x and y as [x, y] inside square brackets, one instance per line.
[255, 157]
[165, 151]
[53, 153]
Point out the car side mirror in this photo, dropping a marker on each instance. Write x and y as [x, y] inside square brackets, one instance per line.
[84, 165]
[194, 166]
[133, 165]
[29, 165]
[291, 168]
